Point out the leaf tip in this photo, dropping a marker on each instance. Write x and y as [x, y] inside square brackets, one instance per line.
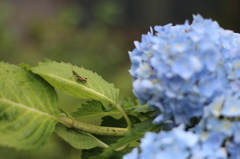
[26, 66]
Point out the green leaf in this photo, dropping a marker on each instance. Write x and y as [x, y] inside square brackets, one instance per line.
[95, 154]
[93, 108]
[142, 112]
[78, 139]
[112, 122]
[142, 109]
[126, 103]
[60, 75]
[28, 108]
[113, 155]
[87, 154]
[134, 109]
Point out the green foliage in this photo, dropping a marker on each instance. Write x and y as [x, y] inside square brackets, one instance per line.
[79, 139]
[134, 134]
[111, 121]
[60, 38]
[93, 108]
[60, 75]
[28, 108]
[108, 12]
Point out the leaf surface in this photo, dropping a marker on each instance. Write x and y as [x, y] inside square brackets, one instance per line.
[93, 108]
[28, 108]
[61, 76]
[78, 139]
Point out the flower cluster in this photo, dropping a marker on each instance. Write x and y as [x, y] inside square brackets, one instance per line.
[180, 69]
[187, 71]
[216, 136]
[219, 128]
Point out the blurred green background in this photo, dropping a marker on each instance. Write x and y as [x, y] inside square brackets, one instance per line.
[95, 34]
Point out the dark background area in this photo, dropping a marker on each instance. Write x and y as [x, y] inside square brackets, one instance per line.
[95, 34]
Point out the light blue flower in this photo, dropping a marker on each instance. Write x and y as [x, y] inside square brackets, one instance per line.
[224, 127]
[189, 62]
[236, 134]
[144, 71]
[217, 129]
[168, 145]
[145, 86]
[208, 85]
[163, 29]
[233, 149]
[199, 153]
[132, 155]
[231, 107]
[189, 71]
[209, 54]
[179, 44]
[213, 141]
[186, 66]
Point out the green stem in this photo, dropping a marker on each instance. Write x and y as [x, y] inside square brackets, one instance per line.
[66, 112]
[93, 129]
[119, 108]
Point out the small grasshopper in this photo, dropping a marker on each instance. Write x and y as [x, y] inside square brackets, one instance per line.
[80, 78]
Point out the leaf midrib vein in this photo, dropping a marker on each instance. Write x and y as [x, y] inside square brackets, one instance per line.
[27, 108]
[90, 90]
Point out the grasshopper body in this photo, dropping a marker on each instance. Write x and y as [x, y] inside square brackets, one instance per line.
[80, 78]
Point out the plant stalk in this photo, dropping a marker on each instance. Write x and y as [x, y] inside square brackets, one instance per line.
[93, 129]
[129, 125]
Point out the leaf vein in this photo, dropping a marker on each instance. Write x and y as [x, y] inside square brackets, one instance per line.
[84, 87]
[27, 108]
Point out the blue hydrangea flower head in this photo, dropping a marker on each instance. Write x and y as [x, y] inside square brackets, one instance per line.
[178, 70]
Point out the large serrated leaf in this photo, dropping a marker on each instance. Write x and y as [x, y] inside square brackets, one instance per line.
[28, 108]
[60, 75]
[78, 139]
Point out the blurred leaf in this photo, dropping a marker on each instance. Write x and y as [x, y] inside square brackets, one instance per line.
[112, 122]
[94, 154]
[78, 139]
[87, 154]
[69, 16]
[93, 108]
[108, 12]
[126, 103]
[142, 108]
[108, 139]
[28, 108]
[60, 75]
[136, 109]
